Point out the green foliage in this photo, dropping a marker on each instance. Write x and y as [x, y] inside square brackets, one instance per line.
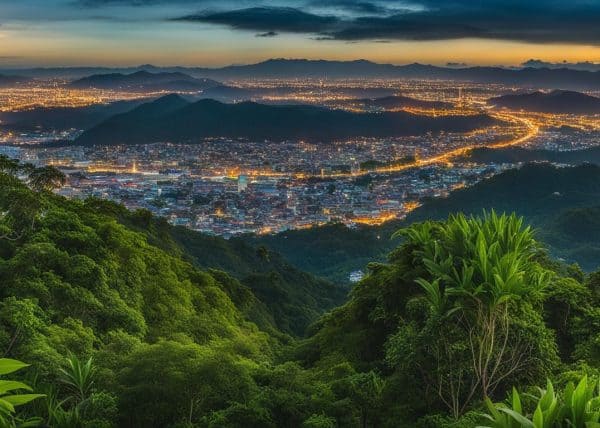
[578, 406]
[319, 421]
[463, 310]
[292, 297]
[480, 270]
[46, 178]
[78, 377]
[11, 395]
[457, 314]
[77, 402]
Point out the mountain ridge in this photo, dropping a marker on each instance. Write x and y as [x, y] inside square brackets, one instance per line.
[535, 77]
[144, 81]
[556, 101]
[192, 122]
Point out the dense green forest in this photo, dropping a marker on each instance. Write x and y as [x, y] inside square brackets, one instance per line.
[126, 321]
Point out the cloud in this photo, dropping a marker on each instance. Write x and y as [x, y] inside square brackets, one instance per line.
[358, 7]
[541, 21]
[267, 34]
[268, 19]
[408, 26]
[100, 3]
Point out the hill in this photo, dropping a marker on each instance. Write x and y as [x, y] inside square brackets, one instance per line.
[440, 312]
[122, 328]
[144, 81]
[514, 155]
[540, 192]
[550, 102]
[173, 119]
[65, 117]
[8, 80]
[529, 76]
[98, 287]
[583, 65]
[293, 298]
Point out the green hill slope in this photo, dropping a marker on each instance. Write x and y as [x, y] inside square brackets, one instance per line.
[293, 298]
[540, 192]
[122, 327]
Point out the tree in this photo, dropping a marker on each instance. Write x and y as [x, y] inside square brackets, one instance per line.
[481, 283]
[365, 392]
[22, 318]
[20, 211]
[8, 165]
[46, 178]
[170, 381]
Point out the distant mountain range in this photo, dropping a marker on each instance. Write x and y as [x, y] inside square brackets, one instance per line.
[9, 80]
[172, 118]
[145, 81]
[534, 77]
[585, 65]
[550, 102]
[398, 101]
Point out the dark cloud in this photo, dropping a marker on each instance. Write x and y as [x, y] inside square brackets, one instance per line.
[404, 26]
[358, 7]
[541, 21]
[267, 34]
[276, 19]
[140, 3]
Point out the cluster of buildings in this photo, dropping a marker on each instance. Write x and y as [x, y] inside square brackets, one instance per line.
[231, 187]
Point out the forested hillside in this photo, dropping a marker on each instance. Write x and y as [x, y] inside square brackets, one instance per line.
[552, 199]
[294, 298]
[121, 327]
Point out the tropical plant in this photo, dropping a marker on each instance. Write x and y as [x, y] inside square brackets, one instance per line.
[577, 407]
[477, 269]
[11, 397]
[78, 377]
[58, 416]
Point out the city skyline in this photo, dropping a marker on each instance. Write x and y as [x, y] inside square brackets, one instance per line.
[209, 33]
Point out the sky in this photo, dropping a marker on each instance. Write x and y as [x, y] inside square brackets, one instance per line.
[222, 32]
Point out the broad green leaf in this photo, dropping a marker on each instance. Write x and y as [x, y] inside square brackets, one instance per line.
[19, 400]
[6, 406]
[8, 365]
[516, 401]
[11, 385]
[525, 423]
[538, 417]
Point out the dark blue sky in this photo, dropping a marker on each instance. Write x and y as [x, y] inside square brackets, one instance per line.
[209, 32]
